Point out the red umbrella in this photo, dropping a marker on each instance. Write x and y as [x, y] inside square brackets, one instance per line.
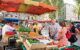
[13, 1]
[13, 6]
[11, 9]
[38, 10]
[42, 8]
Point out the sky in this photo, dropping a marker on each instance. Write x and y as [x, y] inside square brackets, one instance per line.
[70, 2]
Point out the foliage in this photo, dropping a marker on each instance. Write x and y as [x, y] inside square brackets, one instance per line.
[78, 1]
[78, 8]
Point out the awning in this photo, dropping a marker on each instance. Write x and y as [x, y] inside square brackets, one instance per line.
[26, 7]
[11, 19]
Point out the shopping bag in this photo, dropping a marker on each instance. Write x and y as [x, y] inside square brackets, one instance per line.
[68, 34]
[73, 38]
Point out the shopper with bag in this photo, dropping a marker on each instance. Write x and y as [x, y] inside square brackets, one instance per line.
[8, 27]
[63, 41]
[73, 32]
[54, 30]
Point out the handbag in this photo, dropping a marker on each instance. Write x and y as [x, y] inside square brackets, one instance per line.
[68, 34]
[73, 38]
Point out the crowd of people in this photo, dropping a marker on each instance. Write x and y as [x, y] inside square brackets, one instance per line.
[64, 33]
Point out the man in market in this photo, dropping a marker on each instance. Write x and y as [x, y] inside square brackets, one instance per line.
[54, 29]
[37, 27]
[8, 27]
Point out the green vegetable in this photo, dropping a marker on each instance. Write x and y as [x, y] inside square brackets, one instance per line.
[33, 41]
[23, 29]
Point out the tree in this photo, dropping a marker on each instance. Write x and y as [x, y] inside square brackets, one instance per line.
[78, 8]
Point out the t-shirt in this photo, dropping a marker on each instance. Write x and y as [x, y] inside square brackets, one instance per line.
[6, 28]
[73, 29]
[54, 29]
[45, 31]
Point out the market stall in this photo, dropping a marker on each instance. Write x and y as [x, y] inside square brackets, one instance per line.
[36, 42]
[30, 39]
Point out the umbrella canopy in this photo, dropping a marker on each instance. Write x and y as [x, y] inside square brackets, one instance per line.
[13, 1]
[26, 7]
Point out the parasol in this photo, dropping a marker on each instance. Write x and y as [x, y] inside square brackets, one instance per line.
[26, 6]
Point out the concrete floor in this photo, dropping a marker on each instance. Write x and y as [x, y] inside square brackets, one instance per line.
[1, 46]
[78, 41]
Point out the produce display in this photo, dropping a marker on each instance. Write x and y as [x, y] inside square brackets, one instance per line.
[33, 34]
[32, 41]
[23, 29]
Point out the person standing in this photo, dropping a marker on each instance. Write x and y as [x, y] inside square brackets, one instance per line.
[73, 30]
[63, 41]
[54, 29]
[8, 27]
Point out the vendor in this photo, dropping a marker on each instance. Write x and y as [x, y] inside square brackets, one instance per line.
[54, 29]
[8, 27]
[45, 30]
[37, 27]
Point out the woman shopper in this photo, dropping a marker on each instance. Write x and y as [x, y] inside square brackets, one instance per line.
[73, 30]
[63, 41]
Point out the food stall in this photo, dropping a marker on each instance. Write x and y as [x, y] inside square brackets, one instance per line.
[36, 42]
[30, 40]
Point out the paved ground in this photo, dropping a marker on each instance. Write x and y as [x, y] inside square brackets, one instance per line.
[78, 42]
[1, 48]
